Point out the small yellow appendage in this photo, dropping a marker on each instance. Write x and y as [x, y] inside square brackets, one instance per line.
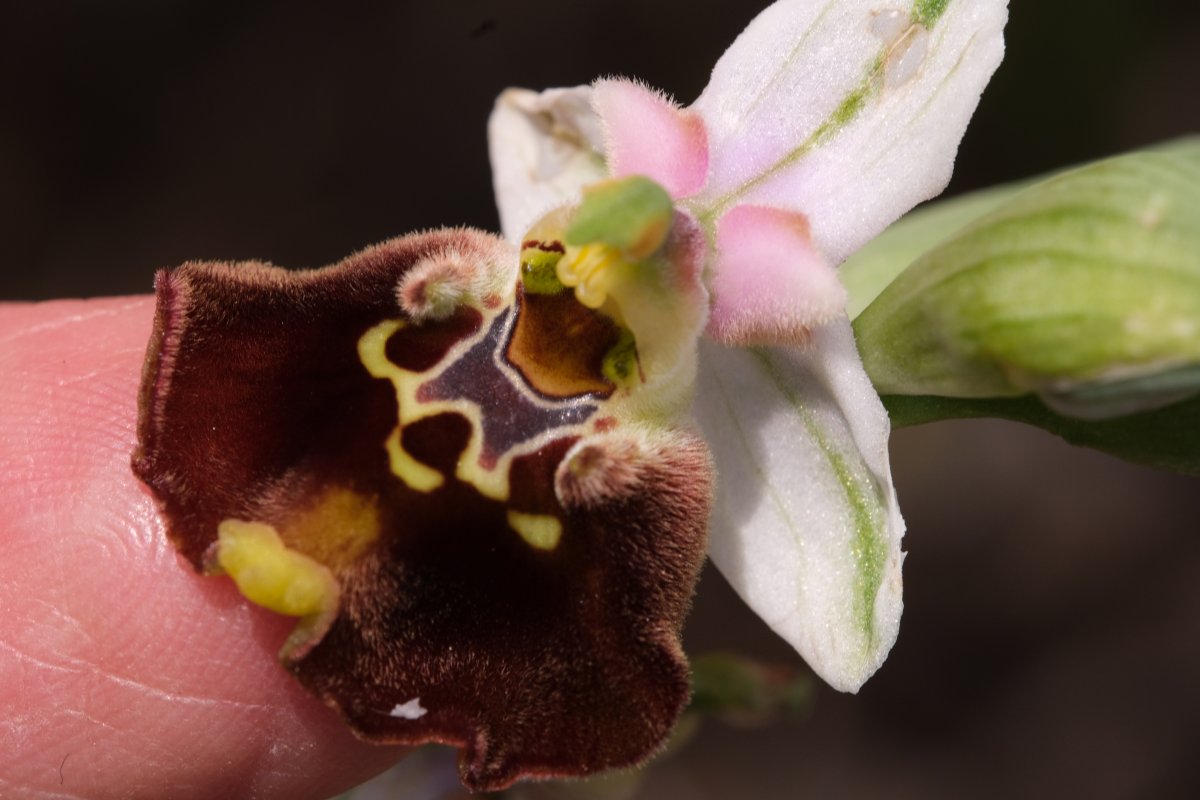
[270, 574]
[589, 270]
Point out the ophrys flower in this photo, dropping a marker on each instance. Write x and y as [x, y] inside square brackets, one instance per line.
[468, 467]
[823, 123]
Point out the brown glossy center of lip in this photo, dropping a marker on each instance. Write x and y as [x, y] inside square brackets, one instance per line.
[559, 345]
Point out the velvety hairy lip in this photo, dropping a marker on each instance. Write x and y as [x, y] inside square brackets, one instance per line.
[431, 476]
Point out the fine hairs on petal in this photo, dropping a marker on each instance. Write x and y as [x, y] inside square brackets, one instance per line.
[434, 287]
[609, 467]
[440, 282]
[770, 285]
[597, 470]
[647, 133]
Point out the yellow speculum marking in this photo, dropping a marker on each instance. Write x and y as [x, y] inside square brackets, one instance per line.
[492, 483]
[540, 531]
[415, 475]
[372, 351]
[272, 575]
[336, 529]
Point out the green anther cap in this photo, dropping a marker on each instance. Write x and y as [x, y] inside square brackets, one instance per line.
[632, 215]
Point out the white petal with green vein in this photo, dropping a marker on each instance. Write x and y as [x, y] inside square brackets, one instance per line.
[848, 111]
[806, 526]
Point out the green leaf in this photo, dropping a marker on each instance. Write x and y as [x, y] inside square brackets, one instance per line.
[1084, 289]
[738, 688]
[1167, 438]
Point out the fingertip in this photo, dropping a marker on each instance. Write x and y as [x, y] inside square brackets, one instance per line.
[120, 669]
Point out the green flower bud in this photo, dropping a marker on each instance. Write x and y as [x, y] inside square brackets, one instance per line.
[1084, 290]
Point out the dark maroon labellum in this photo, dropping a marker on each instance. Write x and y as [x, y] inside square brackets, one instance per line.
[507, 561]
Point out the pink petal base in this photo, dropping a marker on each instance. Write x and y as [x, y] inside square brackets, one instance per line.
[649, 135]
[771, 286]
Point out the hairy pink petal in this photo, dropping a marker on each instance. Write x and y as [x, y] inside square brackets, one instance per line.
[820, 107]
[771, 285]
[649, 135]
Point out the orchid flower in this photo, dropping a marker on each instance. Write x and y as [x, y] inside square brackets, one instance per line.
[467, 466]
[822, 124]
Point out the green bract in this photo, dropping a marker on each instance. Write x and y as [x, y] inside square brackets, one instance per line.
[1167, 438]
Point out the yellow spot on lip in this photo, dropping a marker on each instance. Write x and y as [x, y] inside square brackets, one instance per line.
[270, 574]
[336, 529]
[540, 531]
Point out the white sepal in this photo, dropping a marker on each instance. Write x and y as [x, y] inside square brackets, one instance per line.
[847, 112]
[806, 526]
[544, 148]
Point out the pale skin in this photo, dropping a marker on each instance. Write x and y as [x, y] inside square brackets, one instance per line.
[122, 672]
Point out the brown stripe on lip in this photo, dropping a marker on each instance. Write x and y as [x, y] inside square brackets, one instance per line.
[548, 247]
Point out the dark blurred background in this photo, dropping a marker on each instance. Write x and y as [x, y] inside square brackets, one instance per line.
[1051, 640]
[136, 134]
